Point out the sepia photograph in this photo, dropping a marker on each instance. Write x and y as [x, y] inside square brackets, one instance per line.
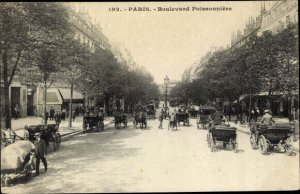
[153, 96]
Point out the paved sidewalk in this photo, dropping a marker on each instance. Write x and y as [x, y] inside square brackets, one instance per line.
[245, 129]
[63, 128]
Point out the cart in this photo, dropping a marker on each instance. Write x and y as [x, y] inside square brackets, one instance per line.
[49, 133]
[203, 116]
[140, 119]
[93, 123]
[224, 134]
[183, 117]
[266, 137]
[119, 120]
[17, 161]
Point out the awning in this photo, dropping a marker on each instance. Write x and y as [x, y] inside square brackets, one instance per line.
[53, 96]
[66, 95]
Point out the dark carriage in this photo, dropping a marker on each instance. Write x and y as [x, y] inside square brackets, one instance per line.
[204, 116]
[48, 132]
[266, 137]
[92, 122]
[193, 112]
[183, 117]
[119, 120]
[224, 134]
[140, 119]
[17, 161]
[150, 110]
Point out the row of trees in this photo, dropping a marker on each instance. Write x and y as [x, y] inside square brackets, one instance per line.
[38, 46]
[266, 63]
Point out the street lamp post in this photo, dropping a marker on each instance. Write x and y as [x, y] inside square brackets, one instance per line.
[166, 81]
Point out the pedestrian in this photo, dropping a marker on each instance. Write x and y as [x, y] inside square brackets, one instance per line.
[161, 118]
[40, 152]
[74, 115]
[52, 112]
[63, 114]
[16, 111]
[57, 118]
[45, 117]
[172, 120]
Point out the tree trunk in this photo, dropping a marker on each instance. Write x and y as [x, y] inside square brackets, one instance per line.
[7, 107]
[45, 102]
[71, 99]
[6, 91]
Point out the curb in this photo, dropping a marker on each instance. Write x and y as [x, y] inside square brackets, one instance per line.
[72, 134]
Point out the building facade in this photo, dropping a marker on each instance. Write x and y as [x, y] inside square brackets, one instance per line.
[279, 16]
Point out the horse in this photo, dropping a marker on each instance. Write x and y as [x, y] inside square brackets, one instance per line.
[9, 136]
[140, 118]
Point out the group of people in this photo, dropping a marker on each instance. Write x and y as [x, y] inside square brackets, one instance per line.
[165, 114]
[59, 115]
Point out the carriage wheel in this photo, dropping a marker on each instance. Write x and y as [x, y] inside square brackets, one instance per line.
[58, 139]
[253, 142]
[3, 180]
[263, 145]
[6, 181]
[28, 171]
[56, 142]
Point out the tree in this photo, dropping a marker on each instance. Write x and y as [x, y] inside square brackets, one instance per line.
[14, 29]
[49, 30]
[74, 59]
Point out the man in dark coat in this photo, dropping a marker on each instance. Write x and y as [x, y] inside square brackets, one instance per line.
[52, 112]
[40, 152]
[57, 118]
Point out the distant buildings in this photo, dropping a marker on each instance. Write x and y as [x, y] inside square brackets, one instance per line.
[87, 31]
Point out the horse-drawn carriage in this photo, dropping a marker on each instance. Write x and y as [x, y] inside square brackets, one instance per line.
[140, 119]
[120, 118]
[93, 122]
[266, 137]
[193, 111]
[48, 132]
[222, 133]
[182, 117]
[204, 115]
[150, 110]
[17, 161]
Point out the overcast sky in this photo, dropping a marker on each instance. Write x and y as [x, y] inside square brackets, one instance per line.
[167, 43]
